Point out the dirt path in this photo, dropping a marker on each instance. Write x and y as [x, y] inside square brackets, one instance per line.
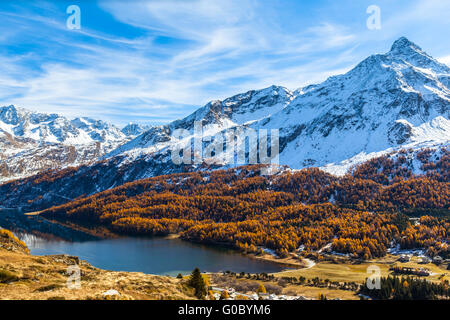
[309, 263]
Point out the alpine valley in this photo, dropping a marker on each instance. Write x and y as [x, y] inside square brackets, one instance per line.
[362, 181]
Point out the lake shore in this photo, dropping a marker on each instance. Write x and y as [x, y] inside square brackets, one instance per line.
[105, 233]
[29, 277]
[289, 262]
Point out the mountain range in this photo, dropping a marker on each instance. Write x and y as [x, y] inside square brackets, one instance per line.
[32, 142]
[387, 103]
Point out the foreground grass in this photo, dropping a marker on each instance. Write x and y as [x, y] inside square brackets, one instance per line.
[26, 277]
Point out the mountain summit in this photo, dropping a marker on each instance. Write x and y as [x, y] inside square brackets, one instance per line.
[31, 141]
[381, 104]
[403, 46]
[388, 101]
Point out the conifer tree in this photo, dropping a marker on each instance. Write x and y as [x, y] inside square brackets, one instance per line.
[196, 281]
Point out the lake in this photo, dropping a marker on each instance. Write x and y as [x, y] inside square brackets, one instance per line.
[160, 256]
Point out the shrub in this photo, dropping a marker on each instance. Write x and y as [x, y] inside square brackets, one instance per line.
[261, 289]
[6, 276]
[49, 287]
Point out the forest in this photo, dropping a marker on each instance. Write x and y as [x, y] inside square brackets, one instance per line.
[406, 288]
[361, 214]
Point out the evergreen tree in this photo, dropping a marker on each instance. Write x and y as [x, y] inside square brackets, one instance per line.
[406, 288]
[196, 281]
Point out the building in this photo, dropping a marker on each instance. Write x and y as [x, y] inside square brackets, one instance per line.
[404, 258]
[425, 260]
[438, 260]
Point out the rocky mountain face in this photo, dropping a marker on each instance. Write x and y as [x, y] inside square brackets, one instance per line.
[398, 99]
[134, 129]
[240, 110]
[31, 142]
[387, 103]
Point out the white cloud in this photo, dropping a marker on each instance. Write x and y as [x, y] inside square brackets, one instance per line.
[224, 54]
[222, 48]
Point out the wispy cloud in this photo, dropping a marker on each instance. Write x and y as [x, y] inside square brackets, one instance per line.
[160, 60]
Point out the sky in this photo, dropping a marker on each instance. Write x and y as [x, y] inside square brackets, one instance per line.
[156, 61]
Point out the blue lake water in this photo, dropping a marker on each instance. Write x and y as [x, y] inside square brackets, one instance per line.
[150, 255]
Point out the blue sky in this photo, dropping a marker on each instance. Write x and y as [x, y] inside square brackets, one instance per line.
[156, 61]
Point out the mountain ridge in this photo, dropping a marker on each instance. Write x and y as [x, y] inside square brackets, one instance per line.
[374, 107]
[33, 141]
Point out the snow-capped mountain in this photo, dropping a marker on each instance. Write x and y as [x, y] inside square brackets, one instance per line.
[392, 100]
[387, 103]
[53, 128]
[134, 129]
[31, 142]
[216, 116]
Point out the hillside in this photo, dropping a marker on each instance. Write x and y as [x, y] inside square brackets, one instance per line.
[363, 214]
[27, 277]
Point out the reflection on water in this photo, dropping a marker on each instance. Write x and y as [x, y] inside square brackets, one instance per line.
[149, 255]
[31, 240]
[20, 223]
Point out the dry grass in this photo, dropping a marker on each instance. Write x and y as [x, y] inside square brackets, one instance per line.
[42, 278]
[10, 242]
[314, 292]
[348, 272]
[246, 286]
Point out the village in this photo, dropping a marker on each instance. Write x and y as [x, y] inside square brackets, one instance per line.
[299, 284]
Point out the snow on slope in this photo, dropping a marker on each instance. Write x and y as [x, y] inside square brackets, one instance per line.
[387, 101]
[31, 142]
[54, 128]
[215, 117]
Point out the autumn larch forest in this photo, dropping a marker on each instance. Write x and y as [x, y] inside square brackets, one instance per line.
[361, 214]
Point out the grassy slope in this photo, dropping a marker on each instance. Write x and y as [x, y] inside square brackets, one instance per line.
[40, 278]
[346, 272]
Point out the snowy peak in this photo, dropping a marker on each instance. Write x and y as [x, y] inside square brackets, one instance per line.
[387, 100]
[53, 128]
[13, 115]
[410, 53]
[31, 142]
[404, 47]
[241, 108]
[403, 56]
[134, 129]
[9, 115]
[215, 116]
[98, 130]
